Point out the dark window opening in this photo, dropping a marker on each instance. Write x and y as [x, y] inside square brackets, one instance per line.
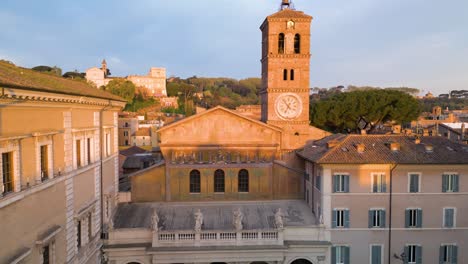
[292, 75]
[243, 181]
[7, 172]
[195, 181]
[219, 181]
[89, 150]
[45, 255]
[44, 162]
[281, 43]
[78, 234]
[297, 44]
[78, 153]
[285, 74]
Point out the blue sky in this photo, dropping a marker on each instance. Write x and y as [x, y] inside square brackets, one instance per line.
[415, 43]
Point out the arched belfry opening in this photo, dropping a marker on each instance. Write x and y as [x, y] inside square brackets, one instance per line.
[297, 44]
[281, 43]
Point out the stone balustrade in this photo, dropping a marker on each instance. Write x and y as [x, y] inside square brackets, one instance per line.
[217, 238]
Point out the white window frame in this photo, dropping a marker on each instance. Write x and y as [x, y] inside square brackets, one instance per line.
[45, 141]
[445, 245]
[450, 190]
[381, 251]
[341, 181]
[454, 217]
[379, 187]
[340, 253]
[377, 209]
[409, 251]
[416, 217]
[14, 148]
[419, 181]
[336, 210]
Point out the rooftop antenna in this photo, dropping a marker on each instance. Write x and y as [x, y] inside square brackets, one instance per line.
[287, 4]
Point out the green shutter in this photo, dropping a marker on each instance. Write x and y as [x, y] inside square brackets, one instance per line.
[419, 217]
[346, 254]
[407, 218]
[406, 254]
[414, 182]
[444, 183]
[449, 217]
[346, 183]
[346, 218]
[371, 218]
[441, 254]
[333, 255]
[383, 218]
[376, 257]
[384, 183]
[335, 183]
[418, 255]
[455, 183]
[334, 219]
[454, 254]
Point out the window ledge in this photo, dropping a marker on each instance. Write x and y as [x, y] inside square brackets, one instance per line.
[22, 254]
[48, 235]
[13, 197]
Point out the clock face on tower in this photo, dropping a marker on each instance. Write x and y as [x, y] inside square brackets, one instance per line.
[288, 106]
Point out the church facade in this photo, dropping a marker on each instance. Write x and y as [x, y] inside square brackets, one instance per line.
[231, 188]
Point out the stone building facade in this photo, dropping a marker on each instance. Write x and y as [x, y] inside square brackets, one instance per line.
[229, 188]
[390, 198]
[58, 141]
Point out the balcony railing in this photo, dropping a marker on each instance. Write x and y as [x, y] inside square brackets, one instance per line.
[213, 238]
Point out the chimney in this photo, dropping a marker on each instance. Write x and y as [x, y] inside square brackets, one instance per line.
[396, 129]
[363, 132]
[332, 143]
[425, 132]
[463, 131]
[417, 140]
[394, 146]
[408, 131]
[360, 147]
[429, 148]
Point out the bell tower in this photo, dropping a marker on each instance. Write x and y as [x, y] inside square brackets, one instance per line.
[285, 73]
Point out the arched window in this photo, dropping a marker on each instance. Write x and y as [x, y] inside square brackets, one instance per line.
[292, 75]
[281, 43]
[243, 181]
[285, 74]
[297, 44]
[219, 181]
[195, 181]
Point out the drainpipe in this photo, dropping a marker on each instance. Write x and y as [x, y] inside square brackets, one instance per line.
[101, 150]
[392, 168]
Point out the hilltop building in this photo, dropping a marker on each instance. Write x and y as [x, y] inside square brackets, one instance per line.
[59, 167]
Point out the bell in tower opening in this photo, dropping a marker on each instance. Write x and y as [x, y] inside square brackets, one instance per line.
[286, 72]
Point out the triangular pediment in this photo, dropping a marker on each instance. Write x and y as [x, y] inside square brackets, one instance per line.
[219, 126]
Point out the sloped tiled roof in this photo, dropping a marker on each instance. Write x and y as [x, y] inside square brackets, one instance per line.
[131, 151]
[12, 76]
[289, 13]
[377, 150]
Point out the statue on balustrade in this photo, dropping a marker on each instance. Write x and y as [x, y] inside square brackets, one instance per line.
[237, 219]
[198, 220]
[279, 219]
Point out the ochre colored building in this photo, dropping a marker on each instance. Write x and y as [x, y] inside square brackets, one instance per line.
[58, 166]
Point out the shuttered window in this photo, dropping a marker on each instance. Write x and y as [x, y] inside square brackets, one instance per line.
[340, 183]
[376, 254]
[340, 218]
[340, 255]
[414, 183]
[450, 183]
[413, 254]
[448, 254]
[449, 217]
[379, 184]
[377, 218]
[413, 218]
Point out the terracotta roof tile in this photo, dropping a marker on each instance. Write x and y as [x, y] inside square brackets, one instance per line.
[289, 13]
[377, 150]
[131, 151]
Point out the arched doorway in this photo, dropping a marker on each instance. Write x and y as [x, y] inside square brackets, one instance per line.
[301, 261]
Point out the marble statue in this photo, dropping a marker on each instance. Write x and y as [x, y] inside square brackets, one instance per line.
[279, 219]
[237, 219]
[154, 221]
[198, 220]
